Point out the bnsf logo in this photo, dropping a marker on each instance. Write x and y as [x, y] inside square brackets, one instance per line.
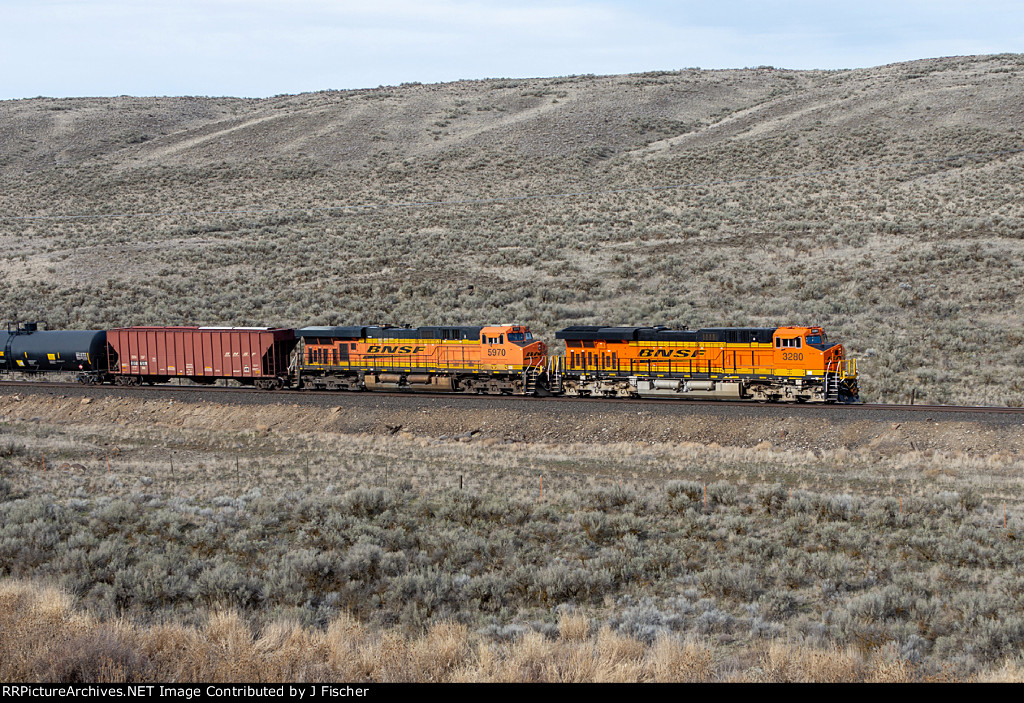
[389, 349]
[671, 353]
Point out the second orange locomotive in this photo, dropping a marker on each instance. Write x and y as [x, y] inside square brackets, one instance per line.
[498, 359]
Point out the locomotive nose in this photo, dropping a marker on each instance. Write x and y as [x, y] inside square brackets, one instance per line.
[535, 353]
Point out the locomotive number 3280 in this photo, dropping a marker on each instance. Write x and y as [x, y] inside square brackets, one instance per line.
[792, 356]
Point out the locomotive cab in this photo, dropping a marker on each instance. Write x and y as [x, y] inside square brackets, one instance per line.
[805, 348]
[511, 346]
[806, 352]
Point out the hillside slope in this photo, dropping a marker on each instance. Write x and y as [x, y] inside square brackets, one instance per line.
[880, 203]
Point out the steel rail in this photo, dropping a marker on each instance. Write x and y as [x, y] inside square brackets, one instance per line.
[215, 390]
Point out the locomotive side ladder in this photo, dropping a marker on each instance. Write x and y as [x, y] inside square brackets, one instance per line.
[530, 380]
[555, 373]
[836, 374]
[832, 382]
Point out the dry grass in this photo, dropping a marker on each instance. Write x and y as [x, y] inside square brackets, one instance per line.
[785, 663]
[46, 639]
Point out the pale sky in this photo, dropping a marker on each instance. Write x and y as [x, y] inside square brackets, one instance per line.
[257, 48]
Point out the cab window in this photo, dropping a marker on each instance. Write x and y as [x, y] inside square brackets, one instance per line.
[814, 339]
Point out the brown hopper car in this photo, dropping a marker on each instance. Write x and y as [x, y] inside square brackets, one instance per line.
[256, 356]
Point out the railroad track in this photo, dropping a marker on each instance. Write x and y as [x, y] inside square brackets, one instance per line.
[233, 390]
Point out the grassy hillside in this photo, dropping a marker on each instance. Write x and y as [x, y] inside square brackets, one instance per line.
[879, 203]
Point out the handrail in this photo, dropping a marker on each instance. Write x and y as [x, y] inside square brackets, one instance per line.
[847, 368]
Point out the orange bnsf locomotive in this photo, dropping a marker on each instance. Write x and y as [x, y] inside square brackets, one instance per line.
[500, 359]
[795, 364]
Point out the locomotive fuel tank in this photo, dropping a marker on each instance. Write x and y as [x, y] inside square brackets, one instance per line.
[30, 350]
